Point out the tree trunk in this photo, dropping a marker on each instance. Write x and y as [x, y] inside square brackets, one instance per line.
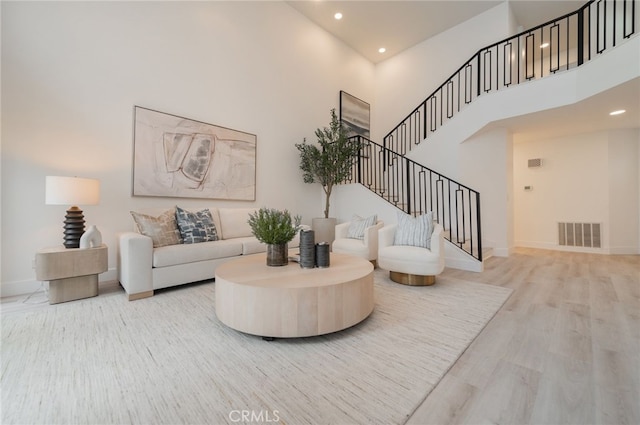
[327, 192]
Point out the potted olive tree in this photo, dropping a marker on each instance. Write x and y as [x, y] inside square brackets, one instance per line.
[329, 164]
[276, 229]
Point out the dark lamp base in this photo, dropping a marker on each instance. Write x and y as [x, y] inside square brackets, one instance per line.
[73, 227]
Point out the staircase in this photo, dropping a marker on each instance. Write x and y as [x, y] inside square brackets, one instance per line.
[416, 189]
[559, 45]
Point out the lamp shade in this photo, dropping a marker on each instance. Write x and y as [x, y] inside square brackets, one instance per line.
[71, 191]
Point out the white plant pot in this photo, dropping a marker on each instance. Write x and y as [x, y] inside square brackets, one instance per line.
[325, 229]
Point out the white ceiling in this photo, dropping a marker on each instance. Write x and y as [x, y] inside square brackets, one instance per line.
[589, 115]
[398, 25]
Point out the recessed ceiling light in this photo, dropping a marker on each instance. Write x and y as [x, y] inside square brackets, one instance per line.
[338, 16]
[382, 50]
[543, 45]
[618, 112]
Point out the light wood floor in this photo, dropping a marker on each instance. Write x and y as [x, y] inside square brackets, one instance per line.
[564, 349]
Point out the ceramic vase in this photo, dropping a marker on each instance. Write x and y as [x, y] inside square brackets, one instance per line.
[322, 255]
[92, 238]
[307, 249]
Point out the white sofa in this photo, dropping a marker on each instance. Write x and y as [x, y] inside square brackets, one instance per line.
[142, 268]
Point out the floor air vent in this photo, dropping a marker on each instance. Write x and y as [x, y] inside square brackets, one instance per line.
[579, 234]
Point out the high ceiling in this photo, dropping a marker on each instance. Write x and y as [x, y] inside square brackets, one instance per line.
[398, 25]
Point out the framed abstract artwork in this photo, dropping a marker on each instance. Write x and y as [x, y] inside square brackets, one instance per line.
[354, 115]
[180, 157]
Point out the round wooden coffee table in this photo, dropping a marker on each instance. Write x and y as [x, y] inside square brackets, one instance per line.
[290, 301]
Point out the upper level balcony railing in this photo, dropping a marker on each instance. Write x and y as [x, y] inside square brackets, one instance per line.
[558, 45]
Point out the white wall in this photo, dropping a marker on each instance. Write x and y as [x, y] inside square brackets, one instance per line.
[486, 163]
[368, 203]
[492, 112]
[624, 191]
[586, 178]
[570, 186]
[72, 72]
[405, 80]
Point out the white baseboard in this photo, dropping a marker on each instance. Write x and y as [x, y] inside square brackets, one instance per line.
[24, 287]
[624, 250]
[556, 247]
[12, 289]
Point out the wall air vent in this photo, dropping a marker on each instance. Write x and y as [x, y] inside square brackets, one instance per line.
[579, 234]
[536, 162]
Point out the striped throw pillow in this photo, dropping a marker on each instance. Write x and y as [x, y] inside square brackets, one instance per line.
[414, 231]
[359, 225]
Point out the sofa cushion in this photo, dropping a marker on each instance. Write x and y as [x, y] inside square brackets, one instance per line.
[410, 259]
[163, 229]
[351, 246]
[196, 227]
[414, 231]
[189, 253]
[359, 225]
[251, 245]
[234, 222]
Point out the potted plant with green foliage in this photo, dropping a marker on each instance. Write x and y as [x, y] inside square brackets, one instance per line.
[329, 164]
[276, 229]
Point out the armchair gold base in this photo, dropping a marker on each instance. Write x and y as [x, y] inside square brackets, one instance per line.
[412, 279]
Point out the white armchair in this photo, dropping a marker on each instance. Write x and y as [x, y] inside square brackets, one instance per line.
[411, 265]
[367, 247]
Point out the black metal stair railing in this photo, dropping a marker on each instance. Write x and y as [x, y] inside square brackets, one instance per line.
[416, 189]
[558, 45]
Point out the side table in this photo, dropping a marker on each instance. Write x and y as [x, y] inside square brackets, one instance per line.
[72, 272]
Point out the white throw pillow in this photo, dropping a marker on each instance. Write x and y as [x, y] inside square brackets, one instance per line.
[414, 231]
[359, 225]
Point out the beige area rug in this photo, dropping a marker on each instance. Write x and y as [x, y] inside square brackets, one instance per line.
[168, 360]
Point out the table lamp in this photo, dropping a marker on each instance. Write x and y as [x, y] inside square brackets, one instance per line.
[72, 191]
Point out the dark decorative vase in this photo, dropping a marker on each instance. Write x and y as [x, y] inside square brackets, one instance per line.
[322, 254]
[307, 249]
[277, 255]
